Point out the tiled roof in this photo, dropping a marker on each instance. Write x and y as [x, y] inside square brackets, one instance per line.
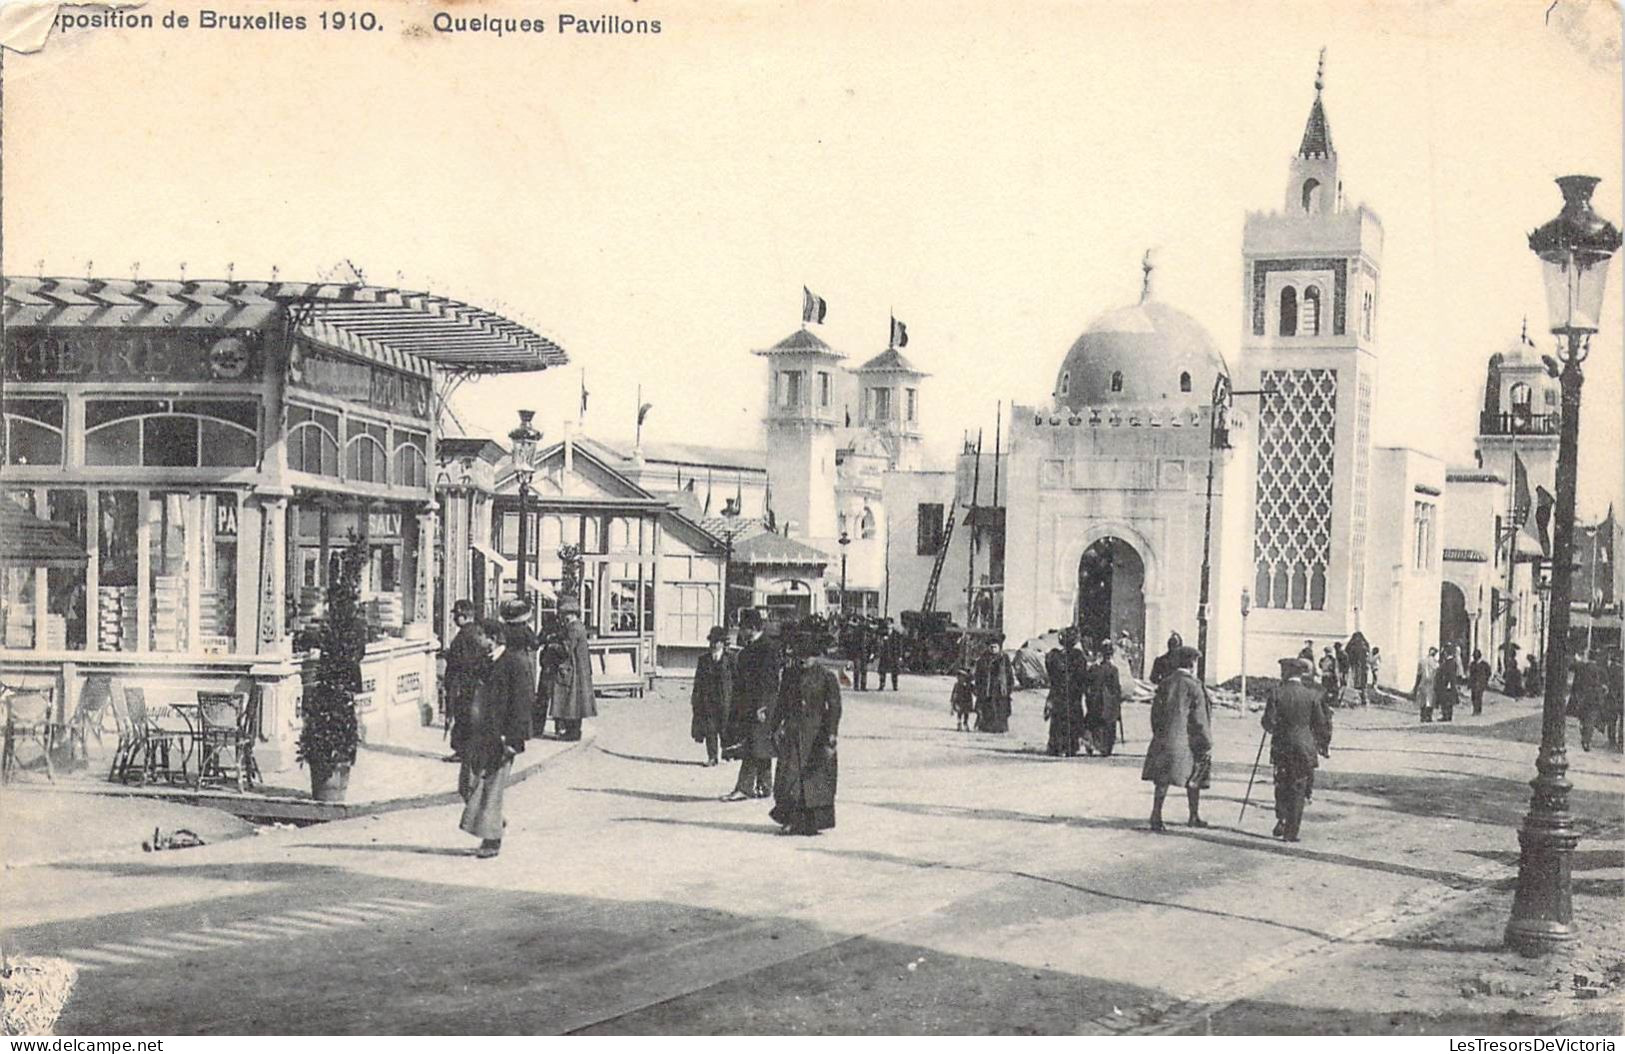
[890, 361]
[801, 341]
[1317, 132]
[769, 548]
[679, 453]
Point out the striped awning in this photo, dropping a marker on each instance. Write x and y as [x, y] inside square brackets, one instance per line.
[403, 330]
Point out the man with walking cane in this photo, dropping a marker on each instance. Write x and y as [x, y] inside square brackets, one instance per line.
[1300, 729]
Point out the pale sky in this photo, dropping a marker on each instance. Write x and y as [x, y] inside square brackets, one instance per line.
[990, 172]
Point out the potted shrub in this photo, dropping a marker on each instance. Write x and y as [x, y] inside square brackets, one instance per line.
[327, 741]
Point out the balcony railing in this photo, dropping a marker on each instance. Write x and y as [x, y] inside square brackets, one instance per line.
[1521, 424]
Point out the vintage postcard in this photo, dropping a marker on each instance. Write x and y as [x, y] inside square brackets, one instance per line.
[697, 517]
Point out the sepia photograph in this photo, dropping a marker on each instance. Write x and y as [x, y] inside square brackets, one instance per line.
[673, 518]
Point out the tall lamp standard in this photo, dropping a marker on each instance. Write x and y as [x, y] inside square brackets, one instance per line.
[844, 540]
[730, 516]
[1246, 608]
[523, 442]
[1574, 251]
[1218, 439]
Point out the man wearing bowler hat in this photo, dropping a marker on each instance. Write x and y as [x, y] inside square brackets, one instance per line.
[1300, 729]
[572, 699]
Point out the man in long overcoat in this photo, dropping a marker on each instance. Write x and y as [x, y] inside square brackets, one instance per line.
[889, 656]
[1105, 689]
[499, 720]
[1478, 680]
[1300, 728]
[466, 657]
[1447, 683]
[755, 701]
[1427, 671]
[1181, 750]
[520, 638]
[805, 728]
[573, 698]
[1063, 737]
[712, 697]
[1077, 662]
[1588, 698]
[1164, 664]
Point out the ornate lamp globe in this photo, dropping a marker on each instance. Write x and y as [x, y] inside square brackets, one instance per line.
[1574, 250]
[524, 440]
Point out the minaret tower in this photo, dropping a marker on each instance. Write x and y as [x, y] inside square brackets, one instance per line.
[801, 422]
[1311, 276]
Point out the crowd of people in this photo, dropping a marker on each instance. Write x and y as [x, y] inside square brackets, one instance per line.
[769, 700]
[504, 681]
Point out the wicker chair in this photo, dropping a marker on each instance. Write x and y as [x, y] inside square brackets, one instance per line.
[226, 738]
[30, 716]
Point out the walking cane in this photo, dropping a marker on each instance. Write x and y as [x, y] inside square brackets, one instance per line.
[1122, 735]
[1254, 775]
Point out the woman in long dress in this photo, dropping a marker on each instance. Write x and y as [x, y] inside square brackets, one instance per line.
[806, 723]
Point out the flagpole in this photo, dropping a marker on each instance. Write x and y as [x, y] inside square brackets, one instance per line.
[637, 443]
[1512, 547]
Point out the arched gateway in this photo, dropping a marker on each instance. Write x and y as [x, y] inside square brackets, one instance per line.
[1111, 592]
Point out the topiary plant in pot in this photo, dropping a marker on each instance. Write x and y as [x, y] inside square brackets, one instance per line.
[327, 741]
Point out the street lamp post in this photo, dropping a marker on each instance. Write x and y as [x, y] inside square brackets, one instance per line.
[523, 442]
[1246, 606]
[1574, 251]
[730, 513]
[1218, 439]
[844, 540]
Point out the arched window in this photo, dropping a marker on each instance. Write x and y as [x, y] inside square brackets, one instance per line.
[1185, 381]
[33, 432]
[411, 459]
[1066, 383]
[366, 456]
[866, 526]
[1117, 380]
[1289, 311]
[840, 523]
[1311, 198]
[176, 433]
[1310, 316]
[1521, 397]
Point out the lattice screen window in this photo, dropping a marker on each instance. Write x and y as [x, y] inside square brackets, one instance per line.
[1292, 539]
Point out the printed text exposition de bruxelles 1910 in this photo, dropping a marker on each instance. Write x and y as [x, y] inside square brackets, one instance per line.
[563, 23]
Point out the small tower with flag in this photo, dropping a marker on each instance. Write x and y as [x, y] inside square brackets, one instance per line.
[889, 392]
[804, 410]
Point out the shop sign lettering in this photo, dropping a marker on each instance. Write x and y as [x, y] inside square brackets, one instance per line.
[383, 524]
[130, 354]
[358, 382]
[225, 518]
[409, 687]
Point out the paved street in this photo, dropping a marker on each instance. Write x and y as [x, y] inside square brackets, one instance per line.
[972, 885]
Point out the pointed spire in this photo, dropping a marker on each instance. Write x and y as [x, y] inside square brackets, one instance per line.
[1147, 265]
[1317, 131]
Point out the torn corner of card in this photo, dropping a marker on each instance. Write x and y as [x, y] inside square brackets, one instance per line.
[25, 25]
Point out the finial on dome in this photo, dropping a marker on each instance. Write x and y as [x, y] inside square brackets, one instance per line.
[1320, 72]
[1147, 265]
[1525, 337]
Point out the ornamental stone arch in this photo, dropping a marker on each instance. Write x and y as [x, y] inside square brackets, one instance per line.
[1070, 552]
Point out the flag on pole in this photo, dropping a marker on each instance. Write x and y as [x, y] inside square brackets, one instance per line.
[1520, 492]
[899, 334]
[708, 492]
[584, 394]
[643, 411]
[813, 306]
[1543, 518]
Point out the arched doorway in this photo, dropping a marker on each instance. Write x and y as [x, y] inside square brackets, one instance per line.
[1111, 595]
[1455, 625]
